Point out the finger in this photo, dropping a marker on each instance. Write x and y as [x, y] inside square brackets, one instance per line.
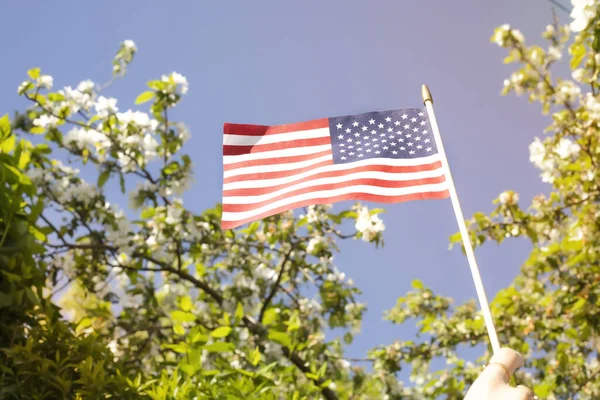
[504, 363]
[523, 393]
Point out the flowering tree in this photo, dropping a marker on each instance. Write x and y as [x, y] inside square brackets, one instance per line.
[184, 308]
[152, 300]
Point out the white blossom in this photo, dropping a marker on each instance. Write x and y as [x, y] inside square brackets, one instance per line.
[312, 215]
[82, 138]
[82, 192]
[178, 79]
[308, 305]
[273, 350]
[554, 53]
[140, 119]
[537, 152]
[137, 195]
[583, 11]
[335, 275]
[566, 148]
[579, 74]
[500, 35]
[86, 86]
[517, 35]
[45, 121]
[46, 81]
[368, 225]
[105, 106]
[508, 197]
[262, 271]
[567, 91]
[537, 156]
[174, 213]
[130, 45]
[78, 99]
[241, 281]
[179, 186]
[113, 346]
[120, 235]
[22, 87]
[313, 244]
[593, 106]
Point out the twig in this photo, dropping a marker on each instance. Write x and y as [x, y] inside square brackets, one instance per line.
[275, 287]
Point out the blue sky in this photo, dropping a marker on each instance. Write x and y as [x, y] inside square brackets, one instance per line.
[272, 62]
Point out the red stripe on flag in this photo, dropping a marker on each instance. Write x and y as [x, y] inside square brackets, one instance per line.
[229, 150]
[329, 174]
[329, 200]
[261, 130]
[332, 186]
[275, 161]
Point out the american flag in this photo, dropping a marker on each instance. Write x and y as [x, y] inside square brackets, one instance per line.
[384, 156]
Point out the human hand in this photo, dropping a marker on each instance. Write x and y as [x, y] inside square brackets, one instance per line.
[492, 383]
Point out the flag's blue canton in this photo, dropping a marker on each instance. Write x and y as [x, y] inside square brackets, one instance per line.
[404, 133]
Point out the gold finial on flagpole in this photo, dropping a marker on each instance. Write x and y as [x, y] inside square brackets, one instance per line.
[426, 94]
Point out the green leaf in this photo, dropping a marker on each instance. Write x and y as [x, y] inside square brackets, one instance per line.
[144, 97]
[5, 300]
[326, 383]
[579, 304]
[219, 347]
[542, 390]
[24, 159]
[239, 311]
[270, 316]
[376, 211]
[244, 372]
[281, 338]
[122, 183]
[7, 145]
[255, 357]
[171, 168]
[37, 234]
[4, 127]
[322, 370]
[577, 50]
[221, 332]
[417, 284]
[179, 329]
[22, 178]
[312, 376]
[148, 213]
[34, 73]
[85, 322]
[181, 347]
[186, 303]
[103, 178]
[182, 316]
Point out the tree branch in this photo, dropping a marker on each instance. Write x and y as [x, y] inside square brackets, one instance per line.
[275, 286]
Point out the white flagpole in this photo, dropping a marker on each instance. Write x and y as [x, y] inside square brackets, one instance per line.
[485, 308]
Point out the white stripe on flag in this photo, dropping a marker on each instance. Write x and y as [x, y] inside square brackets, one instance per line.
[295, 151]
[276, 167]
[244, 140]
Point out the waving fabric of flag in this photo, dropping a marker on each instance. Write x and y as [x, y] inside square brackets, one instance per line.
[385, 156]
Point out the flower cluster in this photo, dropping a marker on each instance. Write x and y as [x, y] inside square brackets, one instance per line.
[369, 226]
[583, 11]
